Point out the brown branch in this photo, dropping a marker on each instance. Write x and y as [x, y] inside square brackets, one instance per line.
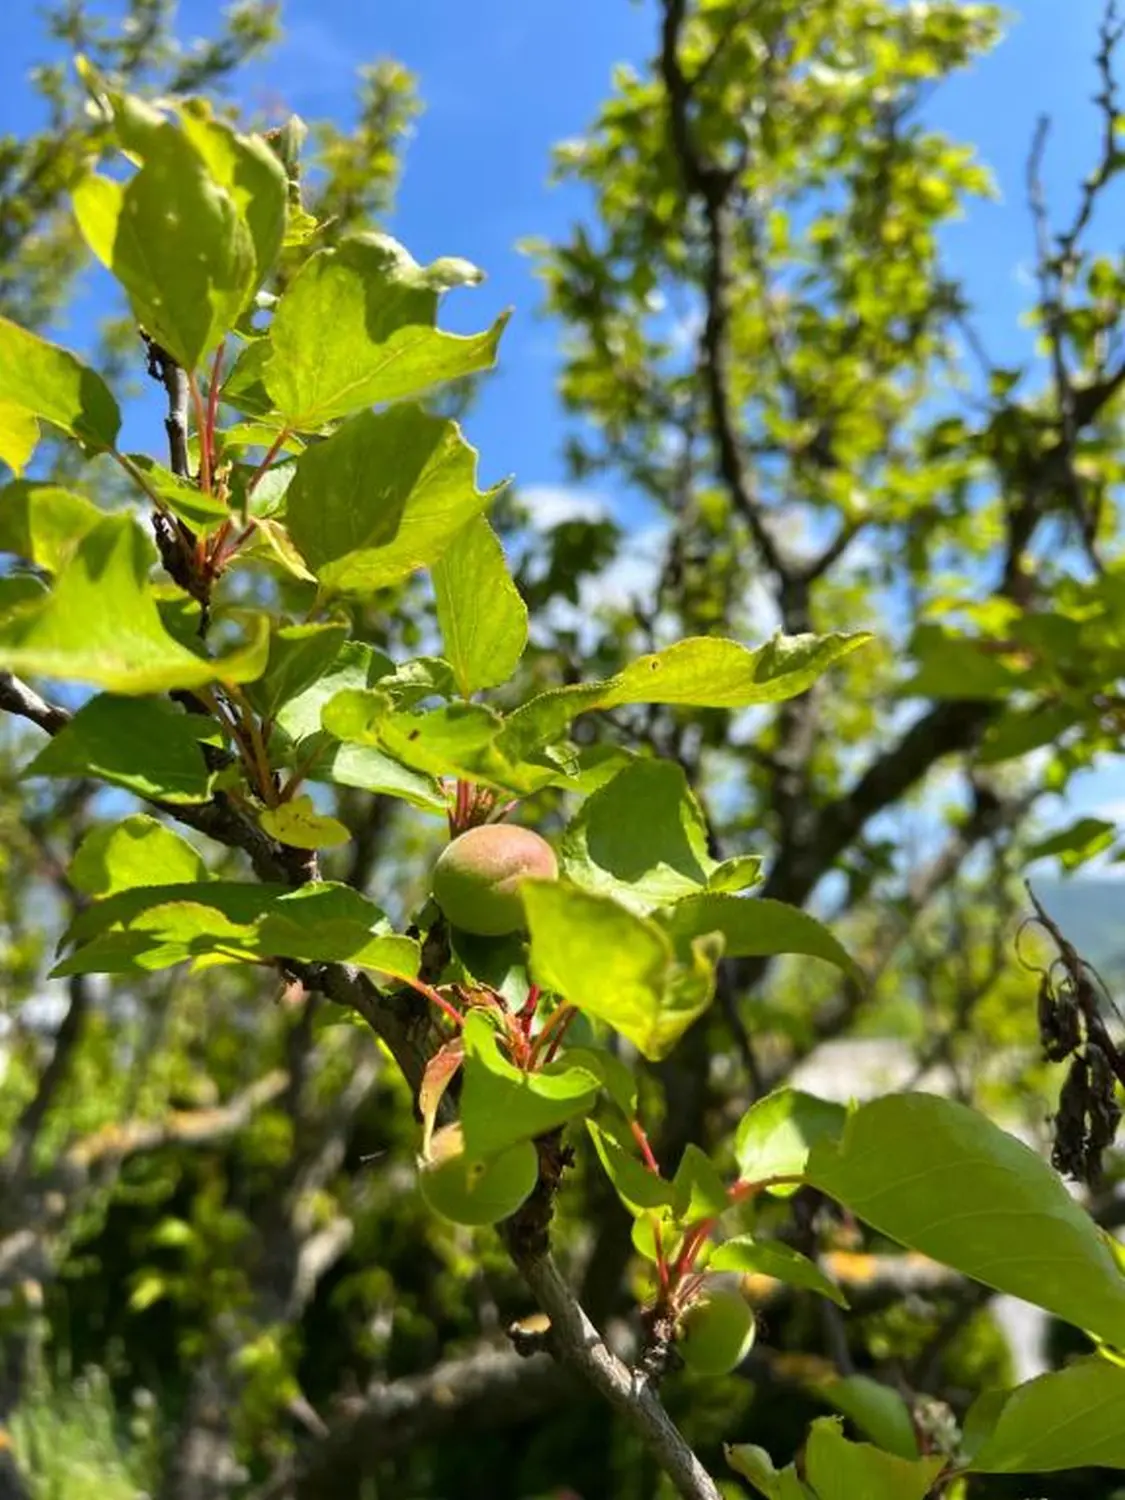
[1110, 33]
[114, 1144]
[579, 1345]
[714, 185]
[489, 1390]
[174, 379]
[17, 698]
[15, 1165]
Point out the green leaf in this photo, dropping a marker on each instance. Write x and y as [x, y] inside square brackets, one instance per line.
[482, 618]
[157, 926]
[455, 740]
[703, 671]
[145, 745]
[175, 239]
[19, 436]
[700, 1191]
[775, 1135]
[876, 1409]
[736, 875]
[355, 328]
[355, 666]
[382, 497]
[613, 965]
[954, 666]
[300, 656]
[253, 176]
[772, 1258]
[327, 922]
[138, 851]
[201, 511]
[756, 1465]
[644, 1232]
[754, 926]
[640, 838]
[1084, 839]
[1018, 731]
[96, 202]
[42, 523]
[500, 1104]
[172, 1234]
[100, 624]
[450, 741]
[944, 1180]
[371, 771]
[149, 1288]
[637, 1187]
[48, 382]
[841, 1470]
[159, 937]
[476, 1192]
[498, 962]
[617, 1078]
[17, 589]
[298, 824]
[1069, 1419]
[709, 672]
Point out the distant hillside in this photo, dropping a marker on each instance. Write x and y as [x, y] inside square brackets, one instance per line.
[1091, 913]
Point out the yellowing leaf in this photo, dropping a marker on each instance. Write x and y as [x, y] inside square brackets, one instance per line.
[19, 435]
[298, 824]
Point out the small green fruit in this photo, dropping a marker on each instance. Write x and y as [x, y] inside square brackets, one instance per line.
[477, 876]
[476, 1192]
[716, 1333]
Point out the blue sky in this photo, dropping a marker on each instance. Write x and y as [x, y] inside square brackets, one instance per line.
[504, 80]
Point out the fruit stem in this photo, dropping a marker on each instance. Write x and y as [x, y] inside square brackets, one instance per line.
[646, 1150]
[552, 1034]
[436, 998]
[526, 1014]
[739, 1191]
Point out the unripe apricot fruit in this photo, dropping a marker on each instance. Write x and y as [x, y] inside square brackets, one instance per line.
[477, 876]
[716, 1333]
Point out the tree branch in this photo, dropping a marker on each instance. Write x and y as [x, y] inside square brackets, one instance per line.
[17, 698]
[114, 1144]
[713, 186]
[488, 1390]
[15, 1164]
[396, 1018]
[580, 1346]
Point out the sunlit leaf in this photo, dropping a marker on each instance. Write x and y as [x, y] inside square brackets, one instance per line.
[482, 618]
[100, 624]
[500, 1104]
[356, 328]
[941, 1178]
[145, 745]
[382, 497]
[45, 381]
